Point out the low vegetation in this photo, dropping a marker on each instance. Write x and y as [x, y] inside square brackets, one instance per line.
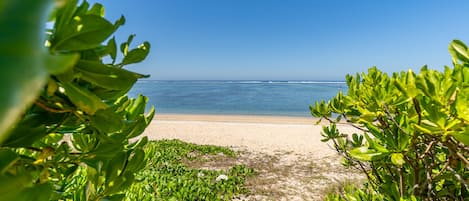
[414, 139]
[168, 174]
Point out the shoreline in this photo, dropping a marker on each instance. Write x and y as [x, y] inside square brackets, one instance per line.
[235, 118]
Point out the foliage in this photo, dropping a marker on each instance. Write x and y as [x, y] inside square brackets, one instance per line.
[166, 177]
[351, 192]
[415, 133]
[65, 121]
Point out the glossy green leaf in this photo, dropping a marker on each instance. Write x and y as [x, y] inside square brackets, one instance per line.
[458, 51]
[106, 76]
[107, 121]
[115, 166]
[124, 47]
[97, 9]
[137, 126]
[119, 22]
[66, 11]
[83, 32]
[83, 99]
[137, 108]
[61, 63]
[462, 106]
[112, 49]
[138, 54]
[150, 115]
[365, 154]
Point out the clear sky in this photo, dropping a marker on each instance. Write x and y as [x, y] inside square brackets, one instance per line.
[289, 39]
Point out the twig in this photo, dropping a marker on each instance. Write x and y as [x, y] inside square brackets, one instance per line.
[458, 176]
[427, 150]
[49, 109]
[401, 182]
[451, 146]
[393, 120]
[441, 171]
[418, 110]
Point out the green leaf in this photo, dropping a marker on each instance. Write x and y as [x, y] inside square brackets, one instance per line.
[22, 57]
[397, 159]
[137, 160]
[365, 154]
[61, 63]
[37, 192]
[139, 144]
[137, 108]
[136, 127]
[105, 76]
[125, 46]
[66, 11]
[22, 188]
[30, 129]
[107, 121]
[81, 10]
[115, 166]
[97, 9]
[462, 137]
[83, 99]
[150, 115]
[138, 54]
[8, 159]
[112, 49]
[458, 51]
[83, 32]
[462, 107]
[119, 22]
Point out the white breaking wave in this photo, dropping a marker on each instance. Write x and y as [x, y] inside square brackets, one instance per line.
[287, 82]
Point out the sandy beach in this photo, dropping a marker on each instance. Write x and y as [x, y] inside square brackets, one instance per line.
[294, 164]
[258, 133]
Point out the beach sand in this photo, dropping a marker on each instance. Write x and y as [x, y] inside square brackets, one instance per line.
[287, 152]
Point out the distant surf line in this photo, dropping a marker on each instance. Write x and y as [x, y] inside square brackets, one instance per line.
[248, 81]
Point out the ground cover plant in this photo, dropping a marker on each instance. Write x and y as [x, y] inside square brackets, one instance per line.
[167, 175]
[413, 142]
[65, 119]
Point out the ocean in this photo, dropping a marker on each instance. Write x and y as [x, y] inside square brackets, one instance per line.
[276, 98]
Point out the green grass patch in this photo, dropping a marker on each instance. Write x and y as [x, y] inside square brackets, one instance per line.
[167, 177]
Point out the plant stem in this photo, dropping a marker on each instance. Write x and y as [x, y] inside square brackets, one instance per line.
[49, 109]
[401, 182]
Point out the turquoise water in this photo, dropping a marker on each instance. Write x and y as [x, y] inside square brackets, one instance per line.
[288, 98]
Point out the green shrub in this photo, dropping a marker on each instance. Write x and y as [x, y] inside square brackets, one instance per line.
[414, 133]
[167, 177]
[65, 121]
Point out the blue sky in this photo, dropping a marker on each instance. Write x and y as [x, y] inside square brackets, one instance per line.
[289, 39]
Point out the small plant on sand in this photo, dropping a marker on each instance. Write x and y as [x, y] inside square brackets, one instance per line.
[413, 142]
[167, 177]
[65, 121]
